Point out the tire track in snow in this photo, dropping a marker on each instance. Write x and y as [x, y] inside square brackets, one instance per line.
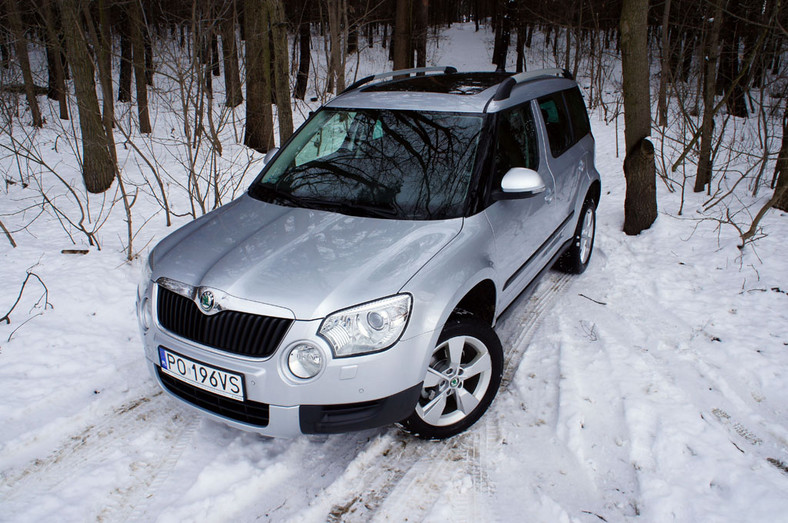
[135, 442]
[422, 469]
[592, 415]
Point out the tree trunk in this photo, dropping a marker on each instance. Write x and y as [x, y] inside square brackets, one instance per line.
[503, 36]
[259, 133]
[146, 38]
[420, 27]
[98, 167]
[55, 51]
[138, 60]
[124, 79]
[15, 21]
[520, 65]
[304, 58]
[281, 69]
[640, 206]
[662, 103]
[403, 52]
[336, 68]
[703, 177]
[232, 76]
[728, 81]
[781, 169]
[103, 47]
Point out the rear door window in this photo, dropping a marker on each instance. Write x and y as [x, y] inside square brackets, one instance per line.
[556, 120]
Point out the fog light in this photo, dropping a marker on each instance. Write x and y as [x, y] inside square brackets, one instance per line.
[305, 361]
[147, 314]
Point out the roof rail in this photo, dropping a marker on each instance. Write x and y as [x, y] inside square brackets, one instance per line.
[505, 89]
[401, 72]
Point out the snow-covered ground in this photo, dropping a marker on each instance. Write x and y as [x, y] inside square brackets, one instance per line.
[653, 386]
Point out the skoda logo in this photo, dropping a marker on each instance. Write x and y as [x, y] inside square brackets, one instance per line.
[206, 301]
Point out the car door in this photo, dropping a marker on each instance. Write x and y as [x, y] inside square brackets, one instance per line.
[565, 158]
[520, 227]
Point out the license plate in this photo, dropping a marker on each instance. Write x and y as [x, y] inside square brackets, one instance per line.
[218, 381]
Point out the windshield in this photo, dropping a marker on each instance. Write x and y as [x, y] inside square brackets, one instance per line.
[391, 164]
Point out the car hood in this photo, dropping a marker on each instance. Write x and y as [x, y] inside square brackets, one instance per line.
[308, 261]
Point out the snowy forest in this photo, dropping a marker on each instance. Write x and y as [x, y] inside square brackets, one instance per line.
[652, 386]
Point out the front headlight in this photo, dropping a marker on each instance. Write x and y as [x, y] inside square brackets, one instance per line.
[370, 327]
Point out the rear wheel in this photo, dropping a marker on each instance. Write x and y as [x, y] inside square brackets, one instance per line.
[462, 379]
[576, 258]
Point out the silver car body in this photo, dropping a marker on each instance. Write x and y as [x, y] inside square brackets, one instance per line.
[304, 264]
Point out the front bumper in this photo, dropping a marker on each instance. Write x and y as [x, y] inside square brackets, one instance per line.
[351, 393]
[278, 421]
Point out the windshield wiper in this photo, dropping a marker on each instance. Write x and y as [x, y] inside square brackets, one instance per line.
[273, 195]
[369, 210]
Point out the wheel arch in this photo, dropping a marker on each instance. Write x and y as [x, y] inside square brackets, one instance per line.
[480, 301]
[595, 192]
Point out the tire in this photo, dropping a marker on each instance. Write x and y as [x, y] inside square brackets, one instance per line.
[576, 258]
[462, 379]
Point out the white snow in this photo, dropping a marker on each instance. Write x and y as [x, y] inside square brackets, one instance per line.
[651, 387]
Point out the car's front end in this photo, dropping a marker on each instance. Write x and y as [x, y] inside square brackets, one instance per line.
[287, 320]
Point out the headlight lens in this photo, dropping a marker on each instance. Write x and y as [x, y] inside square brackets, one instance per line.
[370, 327]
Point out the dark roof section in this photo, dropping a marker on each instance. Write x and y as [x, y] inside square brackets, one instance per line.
[457, 83]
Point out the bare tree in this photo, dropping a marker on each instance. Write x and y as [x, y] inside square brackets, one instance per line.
[98, 165]
[781, 169]
[137, 21]
[15, 20]
[232, 76]
[259, 116]
[403, 41]
[640, 207]
[703, 178]
[281, 67]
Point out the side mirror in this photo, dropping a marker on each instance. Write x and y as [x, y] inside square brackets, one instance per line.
[519, 182]
[270, 154]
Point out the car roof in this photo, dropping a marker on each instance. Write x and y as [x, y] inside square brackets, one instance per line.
[451, 91]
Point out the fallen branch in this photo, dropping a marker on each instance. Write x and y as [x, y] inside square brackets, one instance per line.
[592, 299]
[746, 236]
[45, 296]
[8, 235]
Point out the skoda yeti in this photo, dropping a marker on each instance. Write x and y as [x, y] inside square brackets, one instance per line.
[358, 281]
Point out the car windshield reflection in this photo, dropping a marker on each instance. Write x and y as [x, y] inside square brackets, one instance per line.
[379, 163]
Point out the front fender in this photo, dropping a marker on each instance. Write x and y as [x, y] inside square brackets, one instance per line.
[449, 276]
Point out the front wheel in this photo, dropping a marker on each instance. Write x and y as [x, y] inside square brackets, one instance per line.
[575, 259]
[462, 379]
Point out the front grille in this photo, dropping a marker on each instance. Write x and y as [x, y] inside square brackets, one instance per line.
[232, 331]
[249, 412]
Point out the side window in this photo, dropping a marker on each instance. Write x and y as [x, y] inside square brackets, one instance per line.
[556, 121]
[516, 144]
[577, 111]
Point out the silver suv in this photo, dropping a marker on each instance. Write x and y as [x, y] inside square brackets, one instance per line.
[358, 281]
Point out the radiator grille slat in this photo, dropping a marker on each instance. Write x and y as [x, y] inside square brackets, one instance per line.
[232, 331]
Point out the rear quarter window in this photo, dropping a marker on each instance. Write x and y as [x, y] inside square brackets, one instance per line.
[578, 114]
